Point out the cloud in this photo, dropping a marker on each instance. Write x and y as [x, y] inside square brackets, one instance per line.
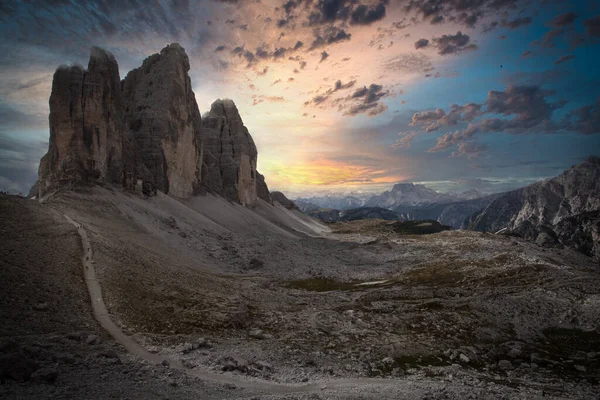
[592, 26]
[585, 120]
[562, 59]
[470, 150]
[363, 15]
[257, 99]
[324, 56]
[329, 11]
[408, 63]
[405, 140]
[433, 120]
[453, 44]
[364, 100]
[448, 44]
[419, 44]
[523, 109]
[323, 97]
[333, 35]
[516, 23]
[563, 19]
[298, 45]
[526, 53]
[220, 48]
[465, 12]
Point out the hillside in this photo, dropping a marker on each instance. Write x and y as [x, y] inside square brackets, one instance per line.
[562, 211]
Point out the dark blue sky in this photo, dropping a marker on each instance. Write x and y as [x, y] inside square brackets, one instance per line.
[459, 94]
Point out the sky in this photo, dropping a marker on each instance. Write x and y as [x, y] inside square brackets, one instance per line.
[340, 96]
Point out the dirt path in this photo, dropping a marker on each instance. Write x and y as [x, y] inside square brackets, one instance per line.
[101, 314]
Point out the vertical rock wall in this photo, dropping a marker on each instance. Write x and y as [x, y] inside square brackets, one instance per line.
[230, 154]
[145, 132]
[86, 125]
[162, 114]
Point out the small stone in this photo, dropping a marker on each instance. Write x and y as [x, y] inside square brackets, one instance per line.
[262, 365]
[230, 386]
[65, 358]
[45, 375]
[580, 368]
[515, 352]
[305, 379]
[74, 335]
[172, 383]
[187, 348]
[257, 334]
[464, 358]
[202, 343]
[41, 307]
[110, 354]
[92, 339]
[165, 362]
[504, 365]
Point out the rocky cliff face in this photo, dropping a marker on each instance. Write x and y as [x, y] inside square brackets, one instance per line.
[280, 198]
[162, 114]
[563, 210]
[86, 125]
[229, 164]
[146, 132]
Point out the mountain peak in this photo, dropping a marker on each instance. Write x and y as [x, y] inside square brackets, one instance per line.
[146, 132]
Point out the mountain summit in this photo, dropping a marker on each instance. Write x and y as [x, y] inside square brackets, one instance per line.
[146, 133]
[408, 194]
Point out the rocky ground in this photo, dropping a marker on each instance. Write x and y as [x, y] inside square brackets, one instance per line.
[364, 312]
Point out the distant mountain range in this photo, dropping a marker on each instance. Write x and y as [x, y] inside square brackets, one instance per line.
[401, 195]
[564, 210]
[407, 201]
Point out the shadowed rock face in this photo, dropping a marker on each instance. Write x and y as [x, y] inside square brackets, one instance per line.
[162, 114]
[262, 190]
[86, 125]
[562, 210]
[146, 132]
[229, 162]
[284, 201]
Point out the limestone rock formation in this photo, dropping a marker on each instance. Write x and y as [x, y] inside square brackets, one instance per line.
[284, 201]
[163, 116]
[146, 132]
[262, 190]
[562, 210]
[86, 125]
[229, 162]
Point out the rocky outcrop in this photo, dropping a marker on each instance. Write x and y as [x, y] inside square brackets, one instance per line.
[229, 163]
[284, 201]
[563, 210]
[86, 125]
[163, 116]
[146, 132]
[262, 190]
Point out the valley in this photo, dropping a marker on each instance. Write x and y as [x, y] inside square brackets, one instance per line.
[265, 296]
